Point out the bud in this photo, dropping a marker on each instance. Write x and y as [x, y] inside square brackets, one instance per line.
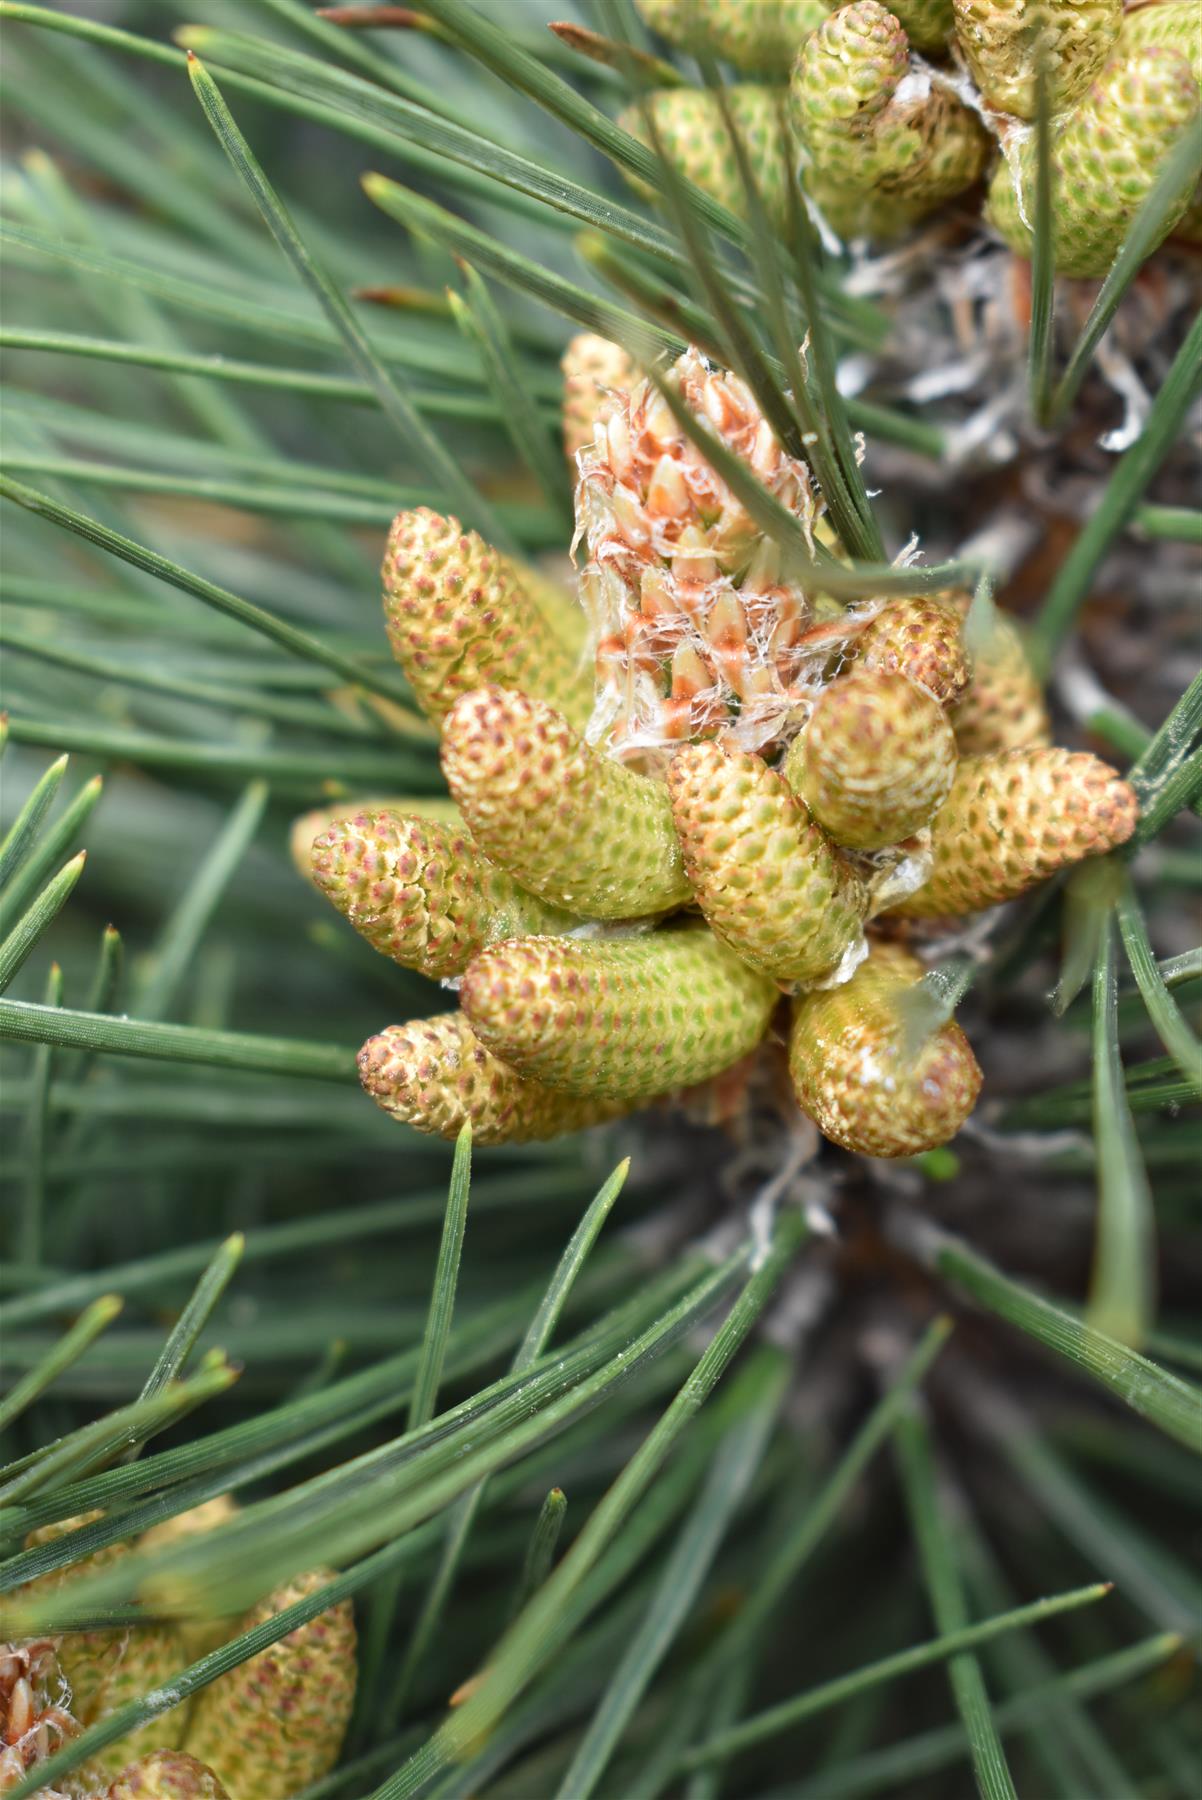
[695, 628]
[1014, 819]
[758, 37]
[1003, 708]
[1104, 161]
[569, 824]
[459, 614]
[694, 139]
[276, 1723]
[1000, 38]
[875, 761]
[166, 1775]
[34, 1716]
[436, 1075]
[767, 880]
[870, 122]
[622, 1018]
[919, 638]
[310, 826]
[422, 893]
[594, 371]
[856, 1074]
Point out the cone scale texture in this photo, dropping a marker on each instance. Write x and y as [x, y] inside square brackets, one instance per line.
[756, 36]
[1014, 819]
[422, 894]
[166, 1775]
[920, 639]
[436, 1075]
[622, 1019]
[695, 139]
[768, 881]
[876, 760]
[571, 825]
[459, 614]
[105, 1670]
[1003, 708]
[276, 1723]
[1105, 160]
[869, 122]
[999, 39]
[855, 1074]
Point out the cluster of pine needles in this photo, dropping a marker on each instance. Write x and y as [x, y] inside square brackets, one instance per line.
[877, 1491]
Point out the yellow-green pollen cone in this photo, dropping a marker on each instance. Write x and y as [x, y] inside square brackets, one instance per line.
[894, 112]
[569, 823]
[769, 882]
[460, 614]
[695, 138]
[166, 1775]
[621, 1018]
[275, 1724]
[758, 37]
[920, 638]
[267, 1728]
[422, 893]
[862, 1081]
[1002, 40]
[875, 762]
[1015, 818]
[622, 905]
[436, 1075]
[1003, 708]
[1106, 156]
[868, 122]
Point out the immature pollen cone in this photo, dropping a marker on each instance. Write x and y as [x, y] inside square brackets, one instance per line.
[1012, 820]
[856, 1075]
[573, 826]
[1105, 158]
[1002, 40]
[626, 1018]
[1004, 707]
[921, 639]
[624, 905]
[436, 1075]
[767, 879]
[276, 1723]
[267, 1728]
[459, 614]
[876, 760]
[105, 1670]
[695, 138]
[422, 893]
[756, 36]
